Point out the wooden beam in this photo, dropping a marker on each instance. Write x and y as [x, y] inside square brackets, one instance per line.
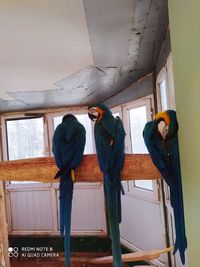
[135, 256]
[137, 166]
[4, 259]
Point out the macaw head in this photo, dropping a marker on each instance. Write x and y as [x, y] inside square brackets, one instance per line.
[171, 124]
[96, 112]
[68, 116]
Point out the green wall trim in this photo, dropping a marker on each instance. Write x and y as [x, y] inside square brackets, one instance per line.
[184, 19]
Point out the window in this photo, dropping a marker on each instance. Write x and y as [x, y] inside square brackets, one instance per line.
[165, 90]
[57, 121]
[25, 138]
[138, 115]
[83, 119]
[144, 184]
[163, 95]
[138, 118]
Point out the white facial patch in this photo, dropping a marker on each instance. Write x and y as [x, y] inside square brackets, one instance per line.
[163, 129]
[93, 111]
[93, 114]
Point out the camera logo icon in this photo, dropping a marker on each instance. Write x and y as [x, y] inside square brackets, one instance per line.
[13, 252]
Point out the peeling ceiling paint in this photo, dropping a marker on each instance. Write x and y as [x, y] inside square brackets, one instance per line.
[109, 24]
[41, 43]
[138, 32]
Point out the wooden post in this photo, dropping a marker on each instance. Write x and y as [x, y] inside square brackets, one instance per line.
[4, 259]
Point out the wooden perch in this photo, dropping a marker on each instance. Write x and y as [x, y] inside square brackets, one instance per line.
[135, 256]
[137, 166]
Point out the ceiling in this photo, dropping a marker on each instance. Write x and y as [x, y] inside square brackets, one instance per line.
[75, 52]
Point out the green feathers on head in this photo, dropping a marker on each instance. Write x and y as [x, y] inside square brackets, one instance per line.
[101, 106]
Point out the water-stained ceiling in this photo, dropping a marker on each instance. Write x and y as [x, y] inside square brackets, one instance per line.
[75, 52]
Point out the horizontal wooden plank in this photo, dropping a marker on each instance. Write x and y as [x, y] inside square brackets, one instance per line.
[137, 166]
[135, 256]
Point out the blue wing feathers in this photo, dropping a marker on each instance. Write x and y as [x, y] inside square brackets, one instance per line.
[109, 139]
[68, 143]
[68, 147]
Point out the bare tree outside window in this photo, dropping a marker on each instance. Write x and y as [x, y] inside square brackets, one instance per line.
[25, 138]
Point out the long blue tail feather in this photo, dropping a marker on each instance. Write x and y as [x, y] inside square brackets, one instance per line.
[177, 204]
[176, 195]
[66, 194]
[112, 192]
[67, 145]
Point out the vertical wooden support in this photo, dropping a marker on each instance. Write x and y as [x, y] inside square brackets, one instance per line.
[4, 259]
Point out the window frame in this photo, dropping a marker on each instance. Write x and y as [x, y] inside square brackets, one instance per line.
[19, 116]
[162, 76]
[166, 73]
[132, 190]
[20, 119]
[170, 82]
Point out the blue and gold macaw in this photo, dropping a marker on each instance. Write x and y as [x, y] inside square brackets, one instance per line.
[164, 150]
[68, 146]
[109, 139]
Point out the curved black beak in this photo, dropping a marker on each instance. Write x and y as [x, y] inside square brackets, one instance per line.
[92, 116]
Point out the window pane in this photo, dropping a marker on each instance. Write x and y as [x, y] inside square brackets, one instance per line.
[138, 119]
[25, 138]
[83, 119]
[144, 184]
[57, 121]
[163, 95]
